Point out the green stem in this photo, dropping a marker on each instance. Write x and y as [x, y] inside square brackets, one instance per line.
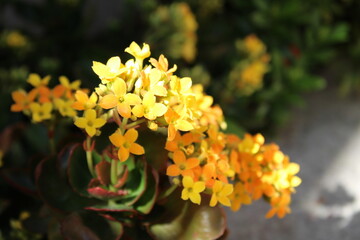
[89, 156]
[123, 124]
[114, 172]
[133, 124]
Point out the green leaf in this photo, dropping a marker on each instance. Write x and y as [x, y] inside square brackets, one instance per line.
[54, 188]
[147, 201]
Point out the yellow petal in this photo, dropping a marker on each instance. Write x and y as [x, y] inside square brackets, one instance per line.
[75, 84]
[90, 130]
[108, 101]
[195, 197]
[199, 187]
[99, 122]
[34, 107]
[159, 91]
[159, 109]
[217, 186]
[64, 81]
[184, 125]
[90, 114]
[224, 201]
[117, 139]
[136, 149]
[132, 99]
[185, 84]
[213, 200]
[81, 122]
[149, 99]
[227, 190]
[114, 63]
[34, 79]
[119, 87]
[138, 111]
[185, 194]
[187, 182]
[80, 96]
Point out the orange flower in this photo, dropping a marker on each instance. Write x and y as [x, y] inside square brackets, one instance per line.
[182, 165]
[22, 100]
[239, 196]
[83, 101]
[126, 144]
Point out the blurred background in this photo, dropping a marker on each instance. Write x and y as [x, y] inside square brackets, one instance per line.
[288, 69]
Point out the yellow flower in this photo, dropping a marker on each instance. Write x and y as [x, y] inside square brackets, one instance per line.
[192, 190]
[83, 101]
[150, 109]
[239, 196]
[41, 112]
[253, 45]
[110, 71]
[221, 192]
[65, 107]
[15, 39]
[36, 81]
[90, 122]
[139, 53]
[126, 144]
[120, 99]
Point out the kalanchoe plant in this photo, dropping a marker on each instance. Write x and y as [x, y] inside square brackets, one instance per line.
[154, 162]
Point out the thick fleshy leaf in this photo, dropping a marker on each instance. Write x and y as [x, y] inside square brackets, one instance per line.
[54, 189]
[194, 222]
[90, 226]
[103, 172]
[147, 201]
[78, 171]
[102, 193]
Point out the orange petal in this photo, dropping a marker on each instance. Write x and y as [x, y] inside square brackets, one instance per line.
[108, 101]
[117, 139]
[173, 171]
[80, 96]
[136, 149]
[179, 157]
[124, 110]
[192, 162]
[131, 135]
[123, 154]
[18, 96]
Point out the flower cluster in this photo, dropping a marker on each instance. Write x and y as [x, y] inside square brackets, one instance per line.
[248, 74]
[233, 171]
[177, 24]
[201, 158]
[41, 102]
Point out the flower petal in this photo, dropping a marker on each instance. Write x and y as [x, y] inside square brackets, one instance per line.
[179, 157]
[99, 122]
[81, 122]
[173, 171]
[90, 114]
[123, 154]
[119, 87]
[187, 182]
[195, 197]
[124, 110]
[117, 139]
[185, 194]
[90, 130]
[108, 101]
[136, 149]
[132, 99]
[131, 135]
[199, 187]
[138, 111]
[192, 162]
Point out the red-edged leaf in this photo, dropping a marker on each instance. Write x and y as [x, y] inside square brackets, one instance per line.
[102, 193]
[103, 172]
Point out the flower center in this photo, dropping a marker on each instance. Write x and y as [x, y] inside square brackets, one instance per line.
[90, 123]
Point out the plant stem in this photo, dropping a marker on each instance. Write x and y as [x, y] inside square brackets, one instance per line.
[114, 172]
[89, 156]
[130, 125]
